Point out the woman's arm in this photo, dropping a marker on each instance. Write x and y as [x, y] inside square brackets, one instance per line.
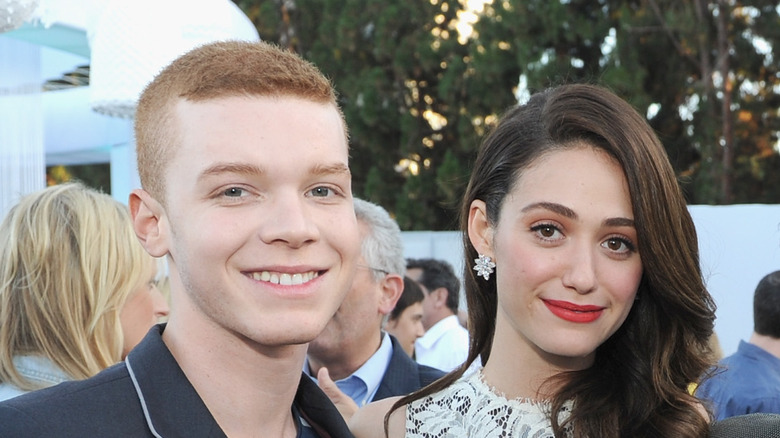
[368, 422]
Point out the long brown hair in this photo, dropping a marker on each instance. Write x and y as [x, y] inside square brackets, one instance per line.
[638, 384]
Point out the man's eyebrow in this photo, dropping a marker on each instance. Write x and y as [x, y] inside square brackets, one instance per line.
[555, 208]
[329, 169]
[251, 169]
[240, 168]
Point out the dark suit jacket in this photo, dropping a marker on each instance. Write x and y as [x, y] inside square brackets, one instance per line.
[147, 395]
[404, 375]
[755, 425]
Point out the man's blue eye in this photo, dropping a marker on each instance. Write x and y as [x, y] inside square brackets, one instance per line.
[234, 192]
[321, 191]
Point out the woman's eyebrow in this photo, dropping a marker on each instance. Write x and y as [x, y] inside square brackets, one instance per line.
[571, 214]
[552, 206]
[619, 222]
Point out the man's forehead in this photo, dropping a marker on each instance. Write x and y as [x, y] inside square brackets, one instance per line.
[415, 274]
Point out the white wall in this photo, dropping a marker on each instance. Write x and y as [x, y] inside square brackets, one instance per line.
[444, 245]
[738, 245]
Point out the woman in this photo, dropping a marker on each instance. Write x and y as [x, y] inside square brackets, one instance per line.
[77, 289]
[586, 280]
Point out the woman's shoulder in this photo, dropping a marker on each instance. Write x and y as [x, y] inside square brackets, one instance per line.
[368, 421]
[434, 410]
[470, 407]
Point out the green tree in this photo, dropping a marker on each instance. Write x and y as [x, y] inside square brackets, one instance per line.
[708, 58]
[418, 96]
[668, 58]
[97, 176]
[401, 76]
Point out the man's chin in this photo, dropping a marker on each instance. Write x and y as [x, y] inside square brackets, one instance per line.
[296, 337]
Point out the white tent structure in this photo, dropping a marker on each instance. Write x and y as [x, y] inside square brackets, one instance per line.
[125, 43]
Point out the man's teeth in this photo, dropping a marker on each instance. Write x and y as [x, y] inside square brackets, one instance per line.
[285, 279]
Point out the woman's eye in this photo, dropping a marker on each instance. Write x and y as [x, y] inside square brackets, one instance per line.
[618, 245]
[547, 232]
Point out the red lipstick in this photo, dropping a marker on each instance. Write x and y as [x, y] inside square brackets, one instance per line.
[574, 312]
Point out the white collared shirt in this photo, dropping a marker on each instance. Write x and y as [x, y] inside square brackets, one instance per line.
[444, 346]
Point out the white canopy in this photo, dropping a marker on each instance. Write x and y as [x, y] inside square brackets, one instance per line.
[126, 43]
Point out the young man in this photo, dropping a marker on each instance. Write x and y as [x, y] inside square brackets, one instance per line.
[242, 153]
[445, 344]
[367, 363]
[405, 321]
[749, 380]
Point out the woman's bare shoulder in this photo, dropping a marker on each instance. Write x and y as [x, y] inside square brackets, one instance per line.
[368, 421]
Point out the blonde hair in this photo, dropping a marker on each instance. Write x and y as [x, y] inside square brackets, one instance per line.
[69, 259]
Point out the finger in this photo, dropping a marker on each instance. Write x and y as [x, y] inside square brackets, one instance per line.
[328, 386]
[343, 402]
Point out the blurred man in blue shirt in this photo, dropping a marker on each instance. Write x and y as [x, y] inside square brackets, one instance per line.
[749, 380]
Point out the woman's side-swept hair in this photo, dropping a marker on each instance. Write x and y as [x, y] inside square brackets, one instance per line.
[638, 384]
[69, 259]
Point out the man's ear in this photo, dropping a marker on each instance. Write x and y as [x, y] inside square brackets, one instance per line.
[392, 288]
[439, 296]
[149, 222]
[480, 230]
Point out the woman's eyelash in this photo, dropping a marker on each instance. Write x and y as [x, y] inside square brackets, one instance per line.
[629, 244]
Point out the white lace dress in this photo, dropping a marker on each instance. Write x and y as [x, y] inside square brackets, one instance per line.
[470, 408]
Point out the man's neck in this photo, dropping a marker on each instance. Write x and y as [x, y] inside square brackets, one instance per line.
[768, 343]
[246, 389]
[440, 316]
[346, 360]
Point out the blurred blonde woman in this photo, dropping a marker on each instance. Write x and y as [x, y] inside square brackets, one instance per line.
[77, 289]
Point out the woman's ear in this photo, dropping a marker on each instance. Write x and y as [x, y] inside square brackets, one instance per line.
[480, 230]
[149, 222]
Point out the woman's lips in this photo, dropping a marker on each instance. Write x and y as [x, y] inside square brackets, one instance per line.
[574, 312]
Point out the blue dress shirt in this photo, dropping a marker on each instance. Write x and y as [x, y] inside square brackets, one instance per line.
[748, 383]
[361, 385]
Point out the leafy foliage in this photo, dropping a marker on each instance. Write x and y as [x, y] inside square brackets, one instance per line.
[418, 96]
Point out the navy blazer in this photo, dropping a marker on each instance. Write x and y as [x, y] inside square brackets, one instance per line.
[147, 395]
[404, 375]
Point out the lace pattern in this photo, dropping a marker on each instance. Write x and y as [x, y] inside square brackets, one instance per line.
[470, 408]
